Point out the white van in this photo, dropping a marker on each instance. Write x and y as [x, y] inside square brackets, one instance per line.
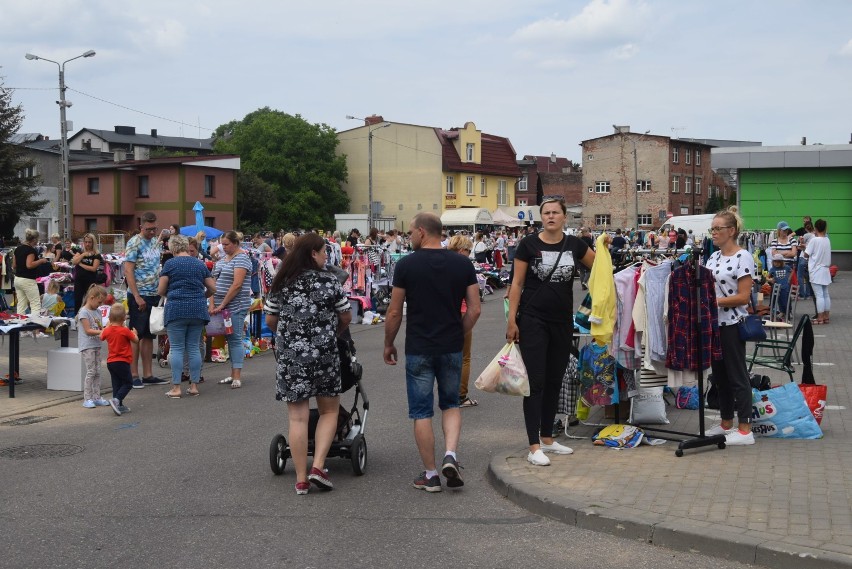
[699, 224]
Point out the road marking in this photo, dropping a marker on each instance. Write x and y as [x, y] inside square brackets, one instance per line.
[834, 407]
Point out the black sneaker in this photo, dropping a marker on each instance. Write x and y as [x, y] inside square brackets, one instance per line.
[153, 381]
[429, 484]
[137, 383]
[451, 471]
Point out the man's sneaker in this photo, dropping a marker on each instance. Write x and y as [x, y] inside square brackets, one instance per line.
[302, 488]
[538, 458]
[137, 383]
[115, 406]
[124, 409]
[89, 404]
[101, 402]
[556, 448]
[736, 438]
[153, 381]
[320, 479]
[718, 430]
[429, 484]
[450, 470]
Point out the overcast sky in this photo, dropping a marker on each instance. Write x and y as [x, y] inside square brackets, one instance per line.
[544, 73]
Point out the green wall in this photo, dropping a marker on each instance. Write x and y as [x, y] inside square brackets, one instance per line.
[770, 195]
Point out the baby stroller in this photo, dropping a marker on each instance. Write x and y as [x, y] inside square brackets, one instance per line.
[163, 348]
[349, 441]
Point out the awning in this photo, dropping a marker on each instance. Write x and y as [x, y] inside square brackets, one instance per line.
[501, 217]
[466, 216]
[522, 213]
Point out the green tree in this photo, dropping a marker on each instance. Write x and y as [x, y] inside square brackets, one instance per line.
[18, 187]
[298, 162]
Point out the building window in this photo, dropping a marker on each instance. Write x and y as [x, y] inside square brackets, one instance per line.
[209, 186]
[697, 159]
[469, 152]
[502, 194]
[28, 172]
[94, 185]
[143, 187]
[675, 184]
[42, 225]
[675, 153]
[645, 219]
[590, 156]
[522, 184]
[684, 210]
[602, 219]
[602, 187]
[451, 185]
[687, 186]
[522, 202]
[643, 186]
[483, 187]
[91, 225]
[687, 156]
[210, 221]
[468, 186]
[697, 186]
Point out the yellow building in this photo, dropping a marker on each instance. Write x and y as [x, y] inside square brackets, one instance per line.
[420, 168]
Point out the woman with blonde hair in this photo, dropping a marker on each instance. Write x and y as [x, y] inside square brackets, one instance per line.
[26, 264]
[463, 245]
[87, 263]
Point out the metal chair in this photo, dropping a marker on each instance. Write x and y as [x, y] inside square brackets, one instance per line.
[781, 357]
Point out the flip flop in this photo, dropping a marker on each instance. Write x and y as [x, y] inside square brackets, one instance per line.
[468, 402]
[236, 384]
[226, 381]
[170, 395]
[192, 393]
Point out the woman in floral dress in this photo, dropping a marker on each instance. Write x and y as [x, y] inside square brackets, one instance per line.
[308, 309]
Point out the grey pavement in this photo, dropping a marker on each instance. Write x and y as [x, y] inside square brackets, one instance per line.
[779, 503]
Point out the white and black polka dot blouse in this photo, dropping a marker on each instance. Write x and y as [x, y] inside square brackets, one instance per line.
[727, 271]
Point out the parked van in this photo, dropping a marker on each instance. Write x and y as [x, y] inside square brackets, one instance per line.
[699, 224]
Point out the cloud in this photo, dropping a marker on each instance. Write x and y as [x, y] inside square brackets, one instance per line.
[625, 51]
[166, 35]
[846, 50]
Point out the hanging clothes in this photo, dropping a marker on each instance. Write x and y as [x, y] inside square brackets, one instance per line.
[602, 289]
[684, 340]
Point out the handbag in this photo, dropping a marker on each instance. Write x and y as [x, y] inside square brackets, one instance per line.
[751, 327]
[506, 373]
[157, 319]
[216, 326]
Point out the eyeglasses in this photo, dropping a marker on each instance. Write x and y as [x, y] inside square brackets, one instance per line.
[720, 228]
[149, 229]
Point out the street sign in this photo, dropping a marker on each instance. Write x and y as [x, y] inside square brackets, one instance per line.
[529, 213]
[520, 215]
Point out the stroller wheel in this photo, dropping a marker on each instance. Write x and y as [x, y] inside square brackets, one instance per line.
[164, 362]
[278, 454]
[358, 454]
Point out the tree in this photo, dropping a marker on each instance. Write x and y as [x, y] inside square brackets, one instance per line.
[297, 162]
[18, 185]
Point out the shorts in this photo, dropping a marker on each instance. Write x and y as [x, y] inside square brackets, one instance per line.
[421, 372]
[140, 320]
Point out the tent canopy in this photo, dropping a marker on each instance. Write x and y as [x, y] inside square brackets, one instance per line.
[466, 216]
[192, 231]
[501, 217]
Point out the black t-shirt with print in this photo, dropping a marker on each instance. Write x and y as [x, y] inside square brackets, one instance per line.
[555, 302]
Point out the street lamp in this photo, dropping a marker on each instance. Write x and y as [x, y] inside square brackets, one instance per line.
[64, 211]
[369, 167]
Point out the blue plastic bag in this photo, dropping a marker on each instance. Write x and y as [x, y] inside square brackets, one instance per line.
[783, 413]
[687, 397]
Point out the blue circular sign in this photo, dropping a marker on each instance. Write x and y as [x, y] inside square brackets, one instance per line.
[520, 215]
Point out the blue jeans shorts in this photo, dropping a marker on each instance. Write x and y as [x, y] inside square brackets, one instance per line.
[421, 372]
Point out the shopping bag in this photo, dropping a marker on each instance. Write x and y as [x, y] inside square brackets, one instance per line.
[781, 412]
[490, 376]
[505, 374]
[687, 397]
[216, 326]
[815, 397]
[157, 319]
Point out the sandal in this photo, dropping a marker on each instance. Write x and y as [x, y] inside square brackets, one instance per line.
[227, 380]
[171, 395]
[468, 402]
[195, 393]
[235, 384]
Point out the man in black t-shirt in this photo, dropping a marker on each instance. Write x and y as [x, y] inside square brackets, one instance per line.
[433, 282]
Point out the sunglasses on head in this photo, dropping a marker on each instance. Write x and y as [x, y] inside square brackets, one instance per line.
[547, 199]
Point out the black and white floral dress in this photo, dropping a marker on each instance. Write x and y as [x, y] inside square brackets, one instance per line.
[308, 361]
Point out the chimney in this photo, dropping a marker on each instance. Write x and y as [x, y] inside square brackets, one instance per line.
[141, 153]
[624, 129]
[154, 133]
[131, 130]
[804, 141]
[119, 155]
[373, 119]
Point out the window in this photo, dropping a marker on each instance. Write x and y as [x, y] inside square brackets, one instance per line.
[210, 221]
[602, 187]
[675, 184]
[91, 225]
[483, 187]
[590, 156]
[684, 210]
[643, 186]
[697, 186]
[675, 157]
[94, 185]
[451, 185]
[522, 202]
[143, 187]
[522, 184]
[697, 158]
[468, 186]
[469, 151]
[602, 219]
[42, 225]
[209, 186]
[645, 219]
[502, 194]
[27, 172]
[687, 156]
[687, 186]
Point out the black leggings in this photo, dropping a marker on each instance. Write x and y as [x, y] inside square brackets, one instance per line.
[546, 349]
[730, 375]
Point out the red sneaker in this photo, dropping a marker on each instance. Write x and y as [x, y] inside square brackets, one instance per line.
[320, 479]
[302, 488]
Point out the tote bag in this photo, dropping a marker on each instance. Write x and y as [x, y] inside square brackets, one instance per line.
[157, 319]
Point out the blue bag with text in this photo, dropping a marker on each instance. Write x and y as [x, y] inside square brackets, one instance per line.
[783, 413]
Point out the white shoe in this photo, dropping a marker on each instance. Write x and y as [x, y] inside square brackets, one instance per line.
[718, 430]
[556, 448]
[736, 438]
[538, 458]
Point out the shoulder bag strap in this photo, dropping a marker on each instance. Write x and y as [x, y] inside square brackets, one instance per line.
[553, 270]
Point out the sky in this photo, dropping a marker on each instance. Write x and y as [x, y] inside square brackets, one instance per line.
[547, 74]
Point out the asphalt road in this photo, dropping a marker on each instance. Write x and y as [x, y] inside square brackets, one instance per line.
[187, 483]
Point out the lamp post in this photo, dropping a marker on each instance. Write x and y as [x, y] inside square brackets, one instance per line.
[64, 210]
[371, 128]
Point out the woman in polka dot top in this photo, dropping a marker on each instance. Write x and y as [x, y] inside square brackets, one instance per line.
[733, 268]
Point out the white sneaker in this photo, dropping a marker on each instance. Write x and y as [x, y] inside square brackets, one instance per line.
[538, 458]
[736, 438]
[718, 430]
[556, 448]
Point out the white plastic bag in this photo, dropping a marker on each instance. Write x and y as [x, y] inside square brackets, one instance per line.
[506, 373]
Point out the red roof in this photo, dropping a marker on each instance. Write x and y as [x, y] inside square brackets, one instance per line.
[498, 156]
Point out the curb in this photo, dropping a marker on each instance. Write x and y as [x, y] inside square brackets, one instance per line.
[681, 534]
